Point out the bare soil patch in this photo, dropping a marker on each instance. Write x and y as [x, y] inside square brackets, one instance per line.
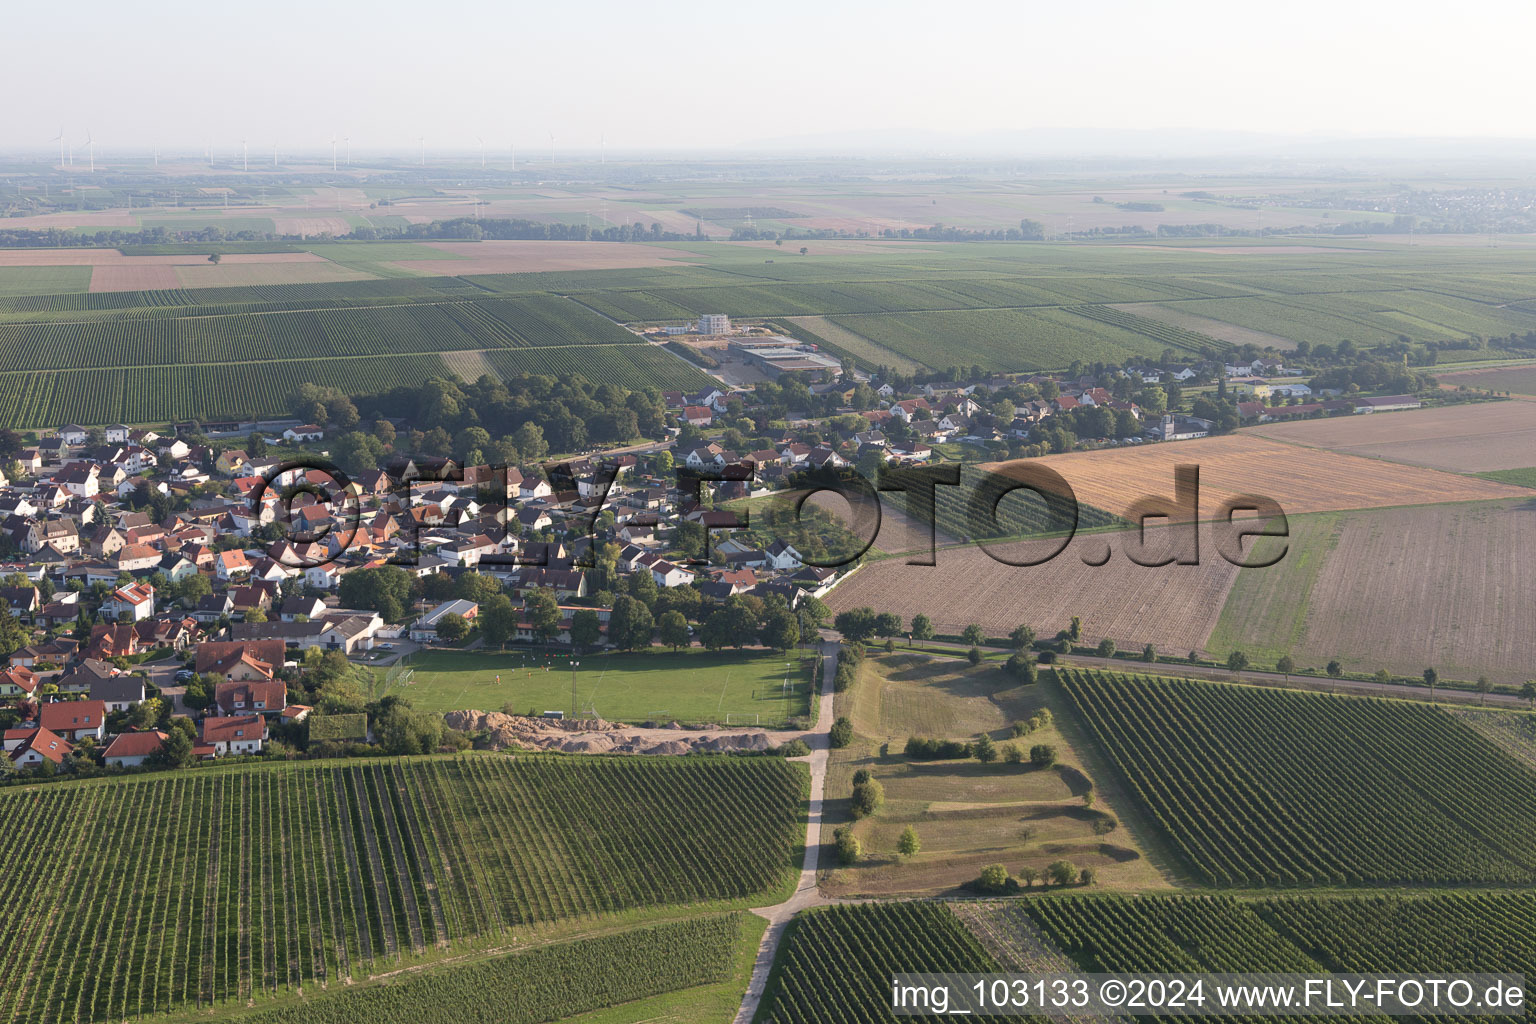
[1218, 329]
[1519, 380]
[1446, 587]
[120, 278]
[1456, 438]
[1172, 607]
[595, 736]
[230, 273]
[310, 226]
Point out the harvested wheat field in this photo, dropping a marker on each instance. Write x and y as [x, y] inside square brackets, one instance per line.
[230, 273]
[1173, 607]
[1300, 479]
[1458, 438]
[145, 277]
[1409, 588]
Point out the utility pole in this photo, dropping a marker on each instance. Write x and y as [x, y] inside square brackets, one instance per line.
[574, 663]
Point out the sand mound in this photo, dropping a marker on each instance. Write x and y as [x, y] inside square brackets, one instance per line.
[595, 736]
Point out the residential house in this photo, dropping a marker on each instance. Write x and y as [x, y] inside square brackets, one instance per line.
[136, 558]
[119, 692]
[75, 719]
[37, 746]
[304, 432]
[228, 565]
[133, 749]
[231, 462]
[299, 606]
[21, 601]
[236, 735]
[18, 683]
[244, 697]
[134, 603]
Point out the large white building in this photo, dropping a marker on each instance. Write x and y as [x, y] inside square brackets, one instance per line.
[714, 323]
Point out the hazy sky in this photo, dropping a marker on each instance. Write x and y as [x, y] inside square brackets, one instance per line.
[697, 75]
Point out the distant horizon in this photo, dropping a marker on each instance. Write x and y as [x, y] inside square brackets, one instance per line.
[699, 77]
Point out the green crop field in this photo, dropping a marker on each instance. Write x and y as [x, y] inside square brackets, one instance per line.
[1269, 787]
[689, 686]
[1265, 614]
[43, 280]
[212, 888]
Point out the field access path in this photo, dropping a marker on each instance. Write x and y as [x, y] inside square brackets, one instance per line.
[806, 894]
[1255, 677]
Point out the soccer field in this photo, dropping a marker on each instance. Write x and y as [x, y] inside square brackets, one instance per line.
[735, 687]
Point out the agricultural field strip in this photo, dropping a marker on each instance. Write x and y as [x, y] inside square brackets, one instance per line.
[415, 328]
[1261, 788]
[425, 856]
[1388, 933]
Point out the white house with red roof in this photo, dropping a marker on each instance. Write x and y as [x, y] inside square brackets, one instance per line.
[235, 735]
[132, 749]
[135, 602]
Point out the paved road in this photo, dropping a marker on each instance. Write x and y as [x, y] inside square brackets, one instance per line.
[806, 893]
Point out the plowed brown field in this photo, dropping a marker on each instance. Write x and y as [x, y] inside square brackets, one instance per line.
[1300, 479]
[1458, 438]
[1173, 607]
[1447, 586]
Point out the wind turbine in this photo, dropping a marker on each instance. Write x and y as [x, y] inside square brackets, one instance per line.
[245, 153]
[512, 149]
[602, 148]
[60, 140]
[274, 154]
[157, 154]
[333, 153]
[421, 140]
[482, 151]
[347, 141]
[551, 147]
[91, 146]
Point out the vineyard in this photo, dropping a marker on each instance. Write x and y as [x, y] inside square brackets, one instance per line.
[973, 511]
[547, 983]
[420, 327]
[1002, 339]
[1394, 933]
[836, 964]
[628, 366]
[1258, 787]
[210, 391]
[214, 887]
[1175, 337]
